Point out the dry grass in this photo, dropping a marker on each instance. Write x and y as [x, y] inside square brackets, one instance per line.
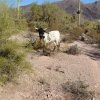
[79, 89]
[74, 50]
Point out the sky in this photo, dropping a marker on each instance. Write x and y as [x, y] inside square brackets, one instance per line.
[88, 1]
[26, 2]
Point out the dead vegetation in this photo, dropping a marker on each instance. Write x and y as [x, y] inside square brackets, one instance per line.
[79, 89]
[74, 50]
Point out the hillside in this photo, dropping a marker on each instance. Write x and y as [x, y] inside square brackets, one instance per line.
[89, 11]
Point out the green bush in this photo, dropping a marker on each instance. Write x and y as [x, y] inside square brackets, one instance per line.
[8, 70]
[38, 44]
[48, 15]
[38, 24]
[21, 24]
[12, 61]
[8, 23]
[94, 30]
[9, 51]
[12, 56]
[94, 36]
[75, 33]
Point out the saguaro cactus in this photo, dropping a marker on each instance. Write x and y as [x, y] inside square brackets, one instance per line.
[79, 13]
[18, 8]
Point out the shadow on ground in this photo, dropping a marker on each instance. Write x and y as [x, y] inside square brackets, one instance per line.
[93, 54]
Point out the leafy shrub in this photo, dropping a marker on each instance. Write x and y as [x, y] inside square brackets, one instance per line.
[94, 30]
[8, 24]
[8, 70]
[94, 35]
[74, 50]
[75, 33]
[9, 51]
[37, 24]
[79, 89]
[11, 56]
[45, 16]
[38, 44]
[21, 24]
[11, 61]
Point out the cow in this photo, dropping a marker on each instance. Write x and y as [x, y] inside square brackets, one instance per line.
[49, 37]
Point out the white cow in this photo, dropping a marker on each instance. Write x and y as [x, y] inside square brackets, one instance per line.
[50, 37]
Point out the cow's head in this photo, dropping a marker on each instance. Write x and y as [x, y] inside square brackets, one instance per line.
[41, 32]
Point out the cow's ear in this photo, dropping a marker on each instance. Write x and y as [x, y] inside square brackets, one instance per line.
[36, 28]
[45, 29]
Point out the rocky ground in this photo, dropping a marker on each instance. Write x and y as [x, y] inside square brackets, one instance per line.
[50, 72]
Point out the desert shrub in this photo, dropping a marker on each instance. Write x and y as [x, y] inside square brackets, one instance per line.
[45, 16]
[12, 61]
[79, 89]
[21, 24]
[75, 33]
[9, 51]
[74, 50]
[8, 23]
[94, 30]
[38, 24]
[11, 56]
[50, 11]
[28, 45]
[8, 70]
[94, 35]
[37, 44]
[89, 24]
[98, 28]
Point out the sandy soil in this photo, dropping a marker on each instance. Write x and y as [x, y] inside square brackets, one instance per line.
[49, 73]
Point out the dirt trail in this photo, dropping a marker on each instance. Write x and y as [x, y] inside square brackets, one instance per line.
[51, 72]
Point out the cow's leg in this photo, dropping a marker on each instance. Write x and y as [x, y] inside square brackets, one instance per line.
[58, 46]
[54, 46]
[44, 46]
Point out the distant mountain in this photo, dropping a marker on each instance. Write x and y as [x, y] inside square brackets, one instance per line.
[89, 11]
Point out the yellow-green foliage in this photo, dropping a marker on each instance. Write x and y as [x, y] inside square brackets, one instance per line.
[9, 50]
[11, 61]
[36, 12]
[75, 33]
[8, 70]
[48, 15]
[95, 35]
[36, 45]
[94, 29]
[11, 58]
[54, 16]
[89, 24]
[21, 24]
[8, 24]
